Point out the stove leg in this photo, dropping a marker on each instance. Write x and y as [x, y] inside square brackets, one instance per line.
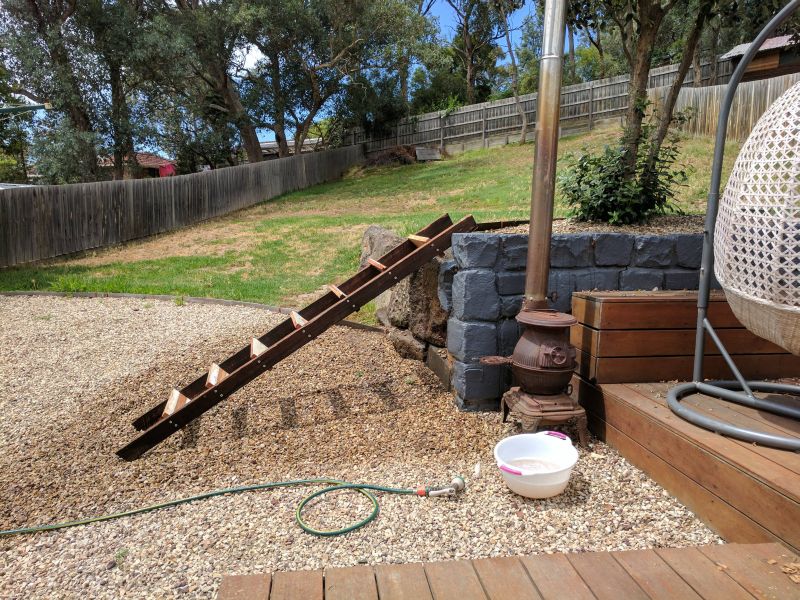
[504, 408]
[583, 430]
[530, 424]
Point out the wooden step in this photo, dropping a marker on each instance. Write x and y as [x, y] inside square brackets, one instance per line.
[376, 264]
[297, 320]
[257, 348]
[176, 402]
[216, 374]
[418, 240]
[339, 293]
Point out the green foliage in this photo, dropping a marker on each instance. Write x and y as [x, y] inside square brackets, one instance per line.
[600, 187]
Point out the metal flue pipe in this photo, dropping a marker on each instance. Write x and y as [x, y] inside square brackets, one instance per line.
[544, 166]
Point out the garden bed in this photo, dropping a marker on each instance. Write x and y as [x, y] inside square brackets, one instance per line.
[78, 371]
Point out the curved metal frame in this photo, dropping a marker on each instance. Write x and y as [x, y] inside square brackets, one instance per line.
[739, 391]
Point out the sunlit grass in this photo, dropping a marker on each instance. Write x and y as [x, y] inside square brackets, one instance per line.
[284, 250]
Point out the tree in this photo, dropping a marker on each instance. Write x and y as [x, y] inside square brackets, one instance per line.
[503, 9]
[314, 50]
[42, 53]
[474, 42]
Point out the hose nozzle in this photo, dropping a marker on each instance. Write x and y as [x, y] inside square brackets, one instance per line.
[457, 485]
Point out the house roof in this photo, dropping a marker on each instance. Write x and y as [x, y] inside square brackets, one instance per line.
[146, 160]
[774, 43]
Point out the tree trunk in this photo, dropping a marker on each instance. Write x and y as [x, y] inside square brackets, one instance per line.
[120, 121]
[697, 68]
[571, 41]
[73, 104]
[514, 77]
[241, 119]
[665, 114]
[402, 73]
[637, 94]
[714, 52]
[279, 109]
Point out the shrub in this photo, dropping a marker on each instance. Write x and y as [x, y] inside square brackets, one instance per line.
[597, 187]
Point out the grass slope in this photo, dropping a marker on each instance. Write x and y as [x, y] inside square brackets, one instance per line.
[282, 251]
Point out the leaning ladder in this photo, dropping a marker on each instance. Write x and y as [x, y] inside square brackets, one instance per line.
[224, 378]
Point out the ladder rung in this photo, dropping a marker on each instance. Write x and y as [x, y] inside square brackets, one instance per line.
[297, 320]
[418, 240]
[339, 293]
[257, 348]
[176, 401]
[376, 264]
[215, 375]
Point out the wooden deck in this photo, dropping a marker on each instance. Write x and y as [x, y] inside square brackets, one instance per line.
[726, 572]
[746, 493]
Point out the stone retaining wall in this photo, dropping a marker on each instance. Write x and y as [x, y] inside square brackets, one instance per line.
[482, 287]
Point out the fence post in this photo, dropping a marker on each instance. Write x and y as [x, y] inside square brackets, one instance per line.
[591, 100]
[483, 127]
[441, 131]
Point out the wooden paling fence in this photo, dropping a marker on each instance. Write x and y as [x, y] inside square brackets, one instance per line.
[751, 101]
[47, 221]
[581, 106]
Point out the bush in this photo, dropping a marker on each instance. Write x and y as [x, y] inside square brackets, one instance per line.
[597, 187]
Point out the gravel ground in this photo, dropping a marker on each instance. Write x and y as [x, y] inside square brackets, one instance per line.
[657, 225]
[77, 371]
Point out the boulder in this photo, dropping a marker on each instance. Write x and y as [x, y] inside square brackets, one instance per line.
[392, 305]
[406, 344]
[427, 317]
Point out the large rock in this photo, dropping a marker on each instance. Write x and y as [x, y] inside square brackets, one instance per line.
[376, 242]
[406, 344]
[392, 307]
[427, 317]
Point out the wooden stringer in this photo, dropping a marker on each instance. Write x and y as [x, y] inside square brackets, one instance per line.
[262, 353]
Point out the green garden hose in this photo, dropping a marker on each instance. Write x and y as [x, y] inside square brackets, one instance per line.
[334, 485]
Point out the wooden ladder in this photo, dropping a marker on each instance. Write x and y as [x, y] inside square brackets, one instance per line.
[262, 353]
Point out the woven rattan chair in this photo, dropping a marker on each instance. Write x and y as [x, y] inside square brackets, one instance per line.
[757, 237]
[752, 244]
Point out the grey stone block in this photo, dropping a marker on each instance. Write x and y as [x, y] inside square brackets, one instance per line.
[679, 279]
[562, 283]
[476, 382]
[508, 333]
[571, 250]
[447, 271]
[510, 305]
[468, 341]
[641, 279]
[654, 250]
[596, 279]
[511, 282]
[475, 295]
[472, 250]
[492, 404]
[513, 252]
[613, 249]
[689, 250]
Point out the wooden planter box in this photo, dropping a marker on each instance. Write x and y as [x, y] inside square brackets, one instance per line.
[629, 337]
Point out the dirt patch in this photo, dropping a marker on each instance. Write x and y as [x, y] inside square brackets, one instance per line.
[213, 238]
[657, 225]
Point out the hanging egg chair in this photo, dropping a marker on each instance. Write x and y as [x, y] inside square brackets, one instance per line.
[752, 245]
[757, 236]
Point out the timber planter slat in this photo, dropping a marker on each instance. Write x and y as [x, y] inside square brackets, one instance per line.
[628, 337]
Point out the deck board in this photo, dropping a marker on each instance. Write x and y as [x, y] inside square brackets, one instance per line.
[697, 570]
[741, 490]
[505, 579]
[726, 572]
[654, 576]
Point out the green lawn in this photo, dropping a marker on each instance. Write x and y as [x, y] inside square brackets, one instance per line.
[283, 250]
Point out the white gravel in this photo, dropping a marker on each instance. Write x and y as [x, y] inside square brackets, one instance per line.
[76, 372]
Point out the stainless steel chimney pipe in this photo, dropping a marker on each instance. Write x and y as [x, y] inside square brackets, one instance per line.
[544, 167]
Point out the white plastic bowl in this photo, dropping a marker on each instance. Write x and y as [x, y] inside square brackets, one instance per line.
[536, 465]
